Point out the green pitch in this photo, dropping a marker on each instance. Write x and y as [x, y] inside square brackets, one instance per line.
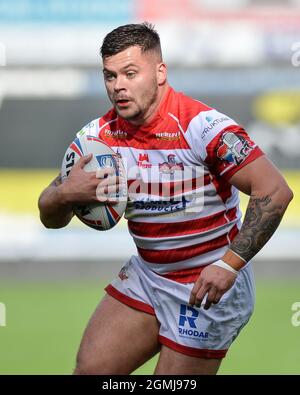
[45, 322]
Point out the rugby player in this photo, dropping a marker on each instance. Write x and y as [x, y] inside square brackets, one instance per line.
[189, 290]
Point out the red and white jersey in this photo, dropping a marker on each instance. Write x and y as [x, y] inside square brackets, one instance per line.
[182, 212]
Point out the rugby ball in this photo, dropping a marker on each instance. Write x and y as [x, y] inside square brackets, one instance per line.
[99, 216]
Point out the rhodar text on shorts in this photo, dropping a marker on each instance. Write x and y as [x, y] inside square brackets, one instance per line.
[190, 330]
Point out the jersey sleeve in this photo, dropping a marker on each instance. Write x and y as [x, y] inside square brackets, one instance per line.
[231, 150]
[221, 144]
[91, 129]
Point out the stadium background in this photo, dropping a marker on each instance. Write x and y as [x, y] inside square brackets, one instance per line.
[240, 56]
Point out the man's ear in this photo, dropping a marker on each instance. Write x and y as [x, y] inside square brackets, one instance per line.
[161, 73]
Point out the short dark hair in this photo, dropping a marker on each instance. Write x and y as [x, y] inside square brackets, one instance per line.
[141, 34]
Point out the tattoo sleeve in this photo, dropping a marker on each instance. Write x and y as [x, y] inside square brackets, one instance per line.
[261, 220]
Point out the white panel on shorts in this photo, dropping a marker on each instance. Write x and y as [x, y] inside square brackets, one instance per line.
[190, 330]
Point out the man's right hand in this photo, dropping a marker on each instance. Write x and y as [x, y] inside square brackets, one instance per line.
[58, 199]
[82, 187]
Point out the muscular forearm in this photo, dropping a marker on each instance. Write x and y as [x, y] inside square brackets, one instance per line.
[55, 211]
[263, 215]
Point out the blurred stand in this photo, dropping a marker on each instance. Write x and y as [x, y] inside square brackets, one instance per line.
[240, 56]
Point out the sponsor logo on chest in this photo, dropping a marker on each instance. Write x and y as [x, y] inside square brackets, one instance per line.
[170, 136]
[115, 134]
[144, 162]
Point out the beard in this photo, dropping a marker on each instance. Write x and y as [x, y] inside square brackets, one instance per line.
[130, 115]
[140, 107]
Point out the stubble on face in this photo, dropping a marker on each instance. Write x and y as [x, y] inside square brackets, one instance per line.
[141, 93]
[143, 104]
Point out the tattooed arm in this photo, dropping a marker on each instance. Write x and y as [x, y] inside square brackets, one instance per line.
[57, 200]
[262, 218]
[55, 211]
[269, 198]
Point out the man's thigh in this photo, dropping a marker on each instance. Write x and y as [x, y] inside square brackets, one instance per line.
[118, 339]
[175, 363]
